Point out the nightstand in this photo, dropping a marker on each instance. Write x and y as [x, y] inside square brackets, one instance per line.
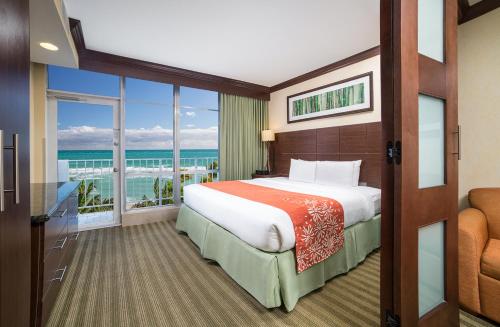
[270, 175]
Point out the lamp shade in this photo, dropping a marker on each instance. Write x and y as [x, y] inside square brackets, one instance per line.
[267, 135]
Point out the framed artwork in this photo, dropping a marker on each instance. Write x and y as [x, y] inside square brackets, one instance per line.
[345, 97]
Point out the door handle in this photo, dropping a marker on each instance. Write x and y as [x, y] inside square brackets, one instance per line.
[15, 148]
[459, 142]
[16, 167]
[63, 213]
[60, 243]
[62, 271]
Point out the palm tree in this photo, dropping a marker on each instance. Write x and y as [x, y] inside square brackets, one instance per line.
[168, 188]
[210, 177]
[87, 196]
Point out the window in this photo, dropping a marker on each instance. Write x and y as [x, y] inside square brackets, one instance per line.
[83, 81]
[102, 129]
[82, 117]
[148, 143]
[199, 135]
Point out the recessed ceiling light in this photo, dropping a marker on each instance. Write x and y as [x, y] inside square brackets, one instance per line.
[49, 46]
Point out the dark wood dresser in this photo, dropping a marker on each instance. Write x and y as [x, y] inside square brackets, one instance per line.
[54, 233]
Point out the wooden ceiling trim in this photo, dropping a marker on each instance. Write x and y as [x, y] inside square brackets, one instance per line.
[467, 12]
[372, 52]
[463, 6]
[119, 65]
[124, 66]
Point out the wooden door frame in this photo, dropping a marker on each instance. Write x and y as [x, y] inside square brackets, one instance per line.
[387, 170]
[404, 75]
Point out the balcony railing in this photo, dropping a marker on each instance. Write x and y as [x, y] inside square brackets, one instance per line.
[149, 182]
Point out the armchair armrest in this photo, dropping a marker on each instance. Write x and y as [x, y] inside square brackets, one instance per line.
[472, 238]
[488, 201]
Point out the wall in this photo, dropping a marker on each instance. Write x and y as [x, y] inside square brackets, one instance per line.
[479, 103]
[278, 107]
[38, 86]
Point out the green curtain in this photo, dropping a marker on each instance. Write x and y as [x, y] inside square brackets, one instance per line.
[241, 148]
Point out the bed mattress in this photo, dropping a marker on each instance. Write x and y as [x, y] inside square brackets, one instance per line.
[268, 228]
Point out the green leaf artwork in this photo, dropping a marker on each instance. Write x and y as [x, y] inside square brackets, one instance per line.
[331, 100]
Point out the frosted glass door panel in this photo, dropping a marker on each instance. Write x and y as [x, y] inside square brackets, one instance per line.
[430, 141]
[431, 29]
[430, 267]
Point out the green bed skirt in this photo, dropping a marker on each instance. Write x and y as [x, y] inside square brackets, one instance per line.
[271, 277]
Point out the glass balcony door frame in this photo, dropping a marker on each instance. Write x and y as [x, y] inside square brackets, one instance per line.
[409, 210]
[53, 98]
[119, 158]
[118, 104]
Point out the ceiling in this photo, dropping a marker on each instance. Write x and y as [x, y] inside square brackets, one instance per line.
[48, 23]
[260, 41]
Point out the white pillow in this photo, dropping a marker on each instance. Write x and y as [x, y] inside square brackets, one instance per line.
[357, 170]
[302, 171]
[338, 173]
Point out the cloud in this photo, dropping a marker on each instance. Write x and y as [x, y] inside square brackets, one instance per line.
[190, 125]
[149, 138]
[191, 114]
[200, 138]
[85, 137]
[157, 137]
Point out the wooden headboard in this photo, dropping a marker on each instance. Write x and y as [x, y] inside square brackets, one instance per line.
[352, 142]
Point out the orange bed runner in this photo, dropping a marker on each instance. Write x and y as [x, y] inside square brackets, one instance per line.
[318, 221]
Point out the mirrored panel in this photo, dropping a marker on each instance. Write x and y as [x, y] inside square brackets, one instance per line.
[431, 29]
[431, 138]
[430, 267]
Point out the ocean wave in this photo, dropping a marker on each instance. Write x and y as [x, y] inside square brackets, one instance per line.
[135, 172]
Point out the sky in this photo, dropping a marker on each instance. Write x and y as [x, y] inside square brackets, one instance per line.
[148, 113]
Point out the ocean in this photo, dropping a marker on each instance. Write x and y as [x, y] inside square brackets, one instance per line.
[142, 168]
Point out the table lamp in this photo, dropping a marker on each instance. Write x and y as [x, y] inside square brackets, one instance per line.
[268, 137]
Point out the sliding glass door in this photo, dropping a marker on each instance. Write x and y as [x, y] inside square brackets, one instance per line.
[87, 146]
[132, 143]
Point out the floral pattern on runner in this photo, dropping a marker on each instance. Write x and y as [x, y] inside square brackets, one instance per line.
[318, 221]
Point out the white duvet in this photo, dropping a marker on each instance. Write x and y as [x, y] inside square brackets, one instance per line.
[268, 228]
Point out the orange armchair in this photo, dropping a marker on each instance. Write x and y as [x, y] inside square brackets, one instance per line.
[479, 253]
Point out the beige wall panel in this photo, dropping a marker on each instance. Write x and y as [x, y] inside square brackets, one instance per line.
[38, 101]
[479, 103]
[277, 105]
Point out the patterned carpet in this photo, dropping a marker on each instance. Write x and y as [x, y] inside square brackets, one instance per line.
[151, 276]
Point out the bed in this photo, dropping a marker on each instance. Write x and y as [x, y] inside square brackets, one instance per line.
[268, 228]
[255, 243]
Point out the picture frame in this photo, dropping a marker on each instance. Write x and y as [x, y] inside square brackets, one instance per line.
[348, 96]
